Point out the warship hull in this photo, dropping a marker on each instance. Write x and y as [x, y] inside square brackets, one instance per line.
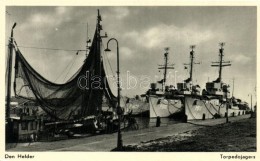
[199, 108]
[159, 106]
[137, 108]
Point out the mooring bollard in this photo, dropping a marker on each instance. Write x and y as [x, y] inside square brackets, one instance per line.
[185, 118]
[158, 121]
[203, 116]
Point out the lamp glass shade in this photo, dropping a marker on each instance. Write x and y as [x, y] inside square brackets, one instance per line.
[107, 49]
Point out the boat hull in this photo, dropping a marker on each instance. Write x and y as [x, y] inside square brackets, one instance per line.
[161, 107]
[200, 108]
[137, 108]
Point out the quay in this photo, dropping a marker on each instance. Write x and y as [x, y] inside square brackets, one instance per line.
[107, 142]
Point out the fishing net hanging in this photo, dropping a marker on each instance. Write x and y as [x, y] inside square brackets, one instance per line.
[65, 101]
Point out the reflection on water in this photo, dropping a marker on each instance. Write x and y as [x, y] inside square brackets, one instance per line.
[146, 122]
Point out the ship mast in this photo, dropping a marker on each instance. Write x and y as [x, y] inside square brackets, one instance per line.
[221, 62]
[233, 87]
[165, 66]
[87, 42]
[191, 62]
[99, 58]
[99, 41]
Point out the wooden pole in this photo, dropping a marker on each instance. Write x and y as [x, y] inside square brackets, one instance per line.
[9, 76]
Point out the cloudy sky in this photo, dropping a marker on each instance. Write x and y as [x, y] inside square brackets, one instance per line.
[143, 33]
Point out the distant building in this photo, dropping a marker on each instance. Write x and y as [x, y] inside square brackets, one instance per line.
[25, 122]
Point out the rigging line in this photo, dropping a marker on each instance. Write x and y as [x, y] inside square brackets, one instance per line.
[208, 108]
[213, 106]
[41, 48]
[175, 105]
[70, 69]
[113, 73]
[108, 60]
[105, 66]
[105, 57]
[108, 78]
[186, 103]
[104, 62]
[169, 108]
[73, 59]
[152, 107]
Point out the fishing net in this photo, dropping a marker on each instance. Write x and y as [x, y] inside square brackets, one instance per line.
[80, 96]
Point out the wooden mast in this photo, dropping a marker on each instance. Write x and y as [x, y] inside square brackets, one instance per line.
[99, 41]
[99, 60]
[97, 71]
[87, 42]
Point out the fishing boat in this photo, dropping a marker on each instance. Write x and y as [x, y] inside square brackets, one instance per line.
[83, 101]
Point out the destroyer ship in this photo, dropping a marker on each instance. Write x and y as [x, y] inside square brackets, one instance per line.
[164, 102]
[187, 102]
[215, 100]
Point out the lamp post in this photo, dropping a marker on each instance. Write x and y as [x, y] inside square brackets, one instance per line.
[9, 76]
[251, 104]
[225, 90]
[227, 106]
[119, 110]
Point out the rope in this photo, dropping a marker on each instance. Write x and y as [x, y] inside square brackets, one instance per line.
[168, 108]
[69, 69]
[70, 64]
[213, 106]
[105, 65]
[207, 108]
[40, 48]
[18, 92]
[153, 108]
[173, 106]
[220, 107]
[189, 109]
[108, 61]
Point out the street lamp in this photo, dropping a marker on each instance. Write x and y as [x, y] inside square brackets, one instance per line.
[227, 106]
[251, 103]
[119, 110]
[225, 90]
[9, 76]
